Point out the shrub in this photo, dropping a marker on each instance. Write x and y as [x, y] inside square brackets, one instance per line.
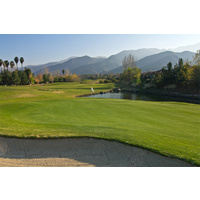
[107, 81]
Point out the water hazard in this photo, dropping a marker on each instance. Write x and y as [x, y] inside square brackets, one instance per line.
[143, 97]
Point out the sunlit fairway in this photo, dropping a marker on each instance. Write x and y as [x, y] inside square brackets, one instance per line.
[52, 110]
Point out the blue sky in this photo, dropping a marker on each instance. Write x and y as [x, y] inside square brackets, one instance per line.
[43, 48]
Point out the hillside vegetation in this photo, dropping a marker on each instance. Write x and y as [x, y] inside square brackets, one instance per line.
[183, 77]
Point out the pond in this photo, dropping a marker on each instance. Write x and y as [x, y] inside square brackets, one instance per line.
[143, 97]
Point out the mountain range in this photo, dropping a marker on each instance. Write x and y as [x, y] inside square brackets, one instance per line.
[146, 59]
[157, 61]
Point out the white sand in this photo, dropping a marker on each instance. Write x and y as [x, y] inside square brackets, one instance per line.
[74, 152]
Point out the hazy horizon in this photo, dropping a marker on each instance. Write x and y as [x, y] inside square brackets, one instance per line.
[44, 48]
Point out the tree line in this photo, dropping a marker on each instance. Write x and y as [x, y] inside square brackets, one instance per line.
[5, 64]
[180, 77]
[12, 75]
[56, 76]
[185, 76]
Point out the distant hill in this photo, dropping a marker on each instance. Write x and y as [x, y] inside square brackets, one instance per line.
[89, 65]
[192, 48]
[138, 54]
[157, 61]
[70, 64]
[114, 61]
[147, 59]
[35, 68]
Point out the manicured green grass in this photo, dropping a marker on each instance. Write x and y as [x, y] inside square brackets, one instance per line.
[52, 110]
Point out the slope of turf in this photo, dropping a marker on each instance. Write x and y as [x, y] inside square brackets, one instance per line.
[170, 128]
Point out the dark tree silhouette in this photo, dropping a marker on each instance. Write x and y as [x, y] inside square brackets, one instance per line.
[12, 64]
[22, 61]
[16, 59]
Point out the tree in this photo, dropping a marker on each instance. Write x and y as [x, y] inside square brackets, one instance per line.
[39, 78]
[16, 59]
[1, 64]
[157, 79]
[136, 73]
[46, 78]
[15, 78]
[28, 74]
[51, 79]
[196, 59]
[75, 77]
[67, 73]
[184, 75]
[36, 79]
[24, 78]
[168, 75]
[195, 77]
[21, 61]
[128, 61]
[60, 79]
[180, 62]
[131, 73]
[6, 78]
[12, 64]
[56, 75]
[46, 71]
[63, 71]
[6, 64]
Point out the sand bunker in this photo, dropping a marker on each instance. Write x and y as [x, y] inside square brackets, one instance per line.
[74, 152]
[58, 92]
[24, 95]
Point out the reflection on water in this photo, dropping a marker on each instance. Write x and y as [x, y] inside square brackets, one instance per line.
[143, 97]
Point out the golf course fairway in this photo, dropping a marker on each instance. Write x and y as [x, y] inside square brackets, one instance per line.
[54, 111]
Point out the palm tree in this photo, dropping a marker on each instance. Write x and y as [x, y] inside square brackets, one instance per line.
[12, 64]
[21, 61]
[16, 59]
[6, 64]
[1, 64]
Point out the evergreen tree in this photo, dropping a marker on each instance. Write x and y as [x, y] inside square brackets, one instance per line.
[28, 74]
[24, 78]
[168, 75]
[6, 78]
[15, 78]
[46, 78]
